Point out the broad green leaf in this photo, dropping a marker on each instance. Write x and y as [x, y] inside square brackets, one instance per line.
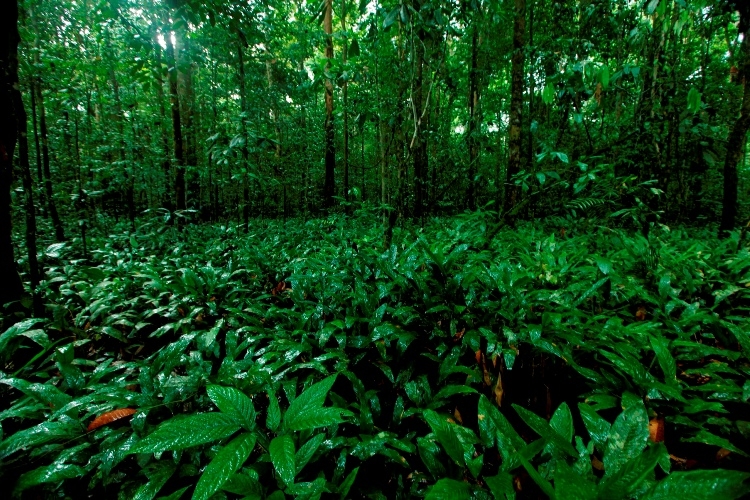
[50, 474]
[548, 94]
[597, 427]
[446, 435]
[282, 457]
[312, 398]
[571, 486]
[604, 76]
[273, 418]
[448, 489]
[347, 483]
[429, 452]
[450, 390]
[235, 403]
[179, 433]
[314, 418]
[627, 438]
[494, 427]
[244, 485]
[13, 332]
[704, 436]
[38, 435]
[223, 465]
[307, 450]
[625, 482]
[541, 427]
[562, 422]
[701, 484]
[501, 486]
[668, 365]
[158, 474]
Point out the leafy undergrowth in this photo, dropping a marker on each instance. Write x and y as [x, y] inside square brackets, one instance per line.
[303, 361]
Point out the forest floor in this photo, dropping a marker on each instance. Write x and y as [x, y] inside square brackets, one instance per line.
[542, 361]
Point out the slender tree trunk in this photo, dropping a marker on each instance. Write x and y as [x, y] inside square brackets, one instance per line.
[51, 206]
[516, 108]
[37, 146]
[329, 189]
[243, 131]
[166, 165]
[11, 289]
[532, 90]
[119, 117]
[419, 103]
[28, 188]
[474, 111]
[345, 91]
[735, 144]
[179, 152]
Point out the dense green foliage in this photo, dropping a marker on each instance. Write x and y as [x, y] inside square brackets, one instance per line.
[302, 359]
[443, 249]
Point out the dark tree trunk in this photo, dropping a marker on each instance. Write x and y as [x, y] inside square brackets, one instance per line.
[735, 145]
[179, 152]
[243, 131]
[11, 288]
[474, 112]
[419, 144]
[118, 114]
[166, 165]
[28, 188]
[516, 105]
[345, 93]
[329, 188]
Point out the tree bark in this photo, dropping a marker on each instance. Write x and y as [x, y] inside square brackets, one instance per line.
[179, 151]
[329, 189]
[419, 103]
[28, 188]
[735, 146]
[345, 94]
[516, 108]
[474, 111]
[12, 288]
[243, 131]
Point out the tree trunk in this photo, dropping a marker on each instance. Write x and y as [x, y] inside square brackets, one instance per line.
[735, 145]
[475, 118]
[419, 103]
[516, 105]
[329, 189]
[345, 91]
[28, 188]
[243, 131]
[179, 152]
[119, 117]
[12, 288]
[166, 165]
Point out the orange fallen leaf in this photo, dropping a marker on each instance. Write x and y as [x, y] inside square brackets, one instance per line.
[640, 314]
[722, 453]
[109, 417]
[656, 429]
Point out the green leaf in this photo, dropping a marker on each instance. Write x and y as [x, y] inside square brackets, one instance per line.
[273, 418]
[448, 489]
[223, 465]
[541, 427]
[14, 331]
[314, 418]
[548, 94]
[571, 486]
[494, 427]
[701, 484]
[158, 474]
[446, 436]
[307, 450]
[49, 474]
[282, 457]
[707, 437]
[234, 403]
[347, 483]
[597, 427]
[604, 76]
[429, 452]
[37, 435]
[450, 390]
[179, 433]
[313, 397]
[668, 365]
[626, 481]
[562, 422]
[501, 486]
[627, 438]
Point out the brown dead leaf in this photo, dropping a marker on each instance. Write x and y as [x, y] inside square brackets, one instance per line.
[722, 453]
[597, 464]
[109, 417]
[640, 314]
[656, 429]
[499, 392]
